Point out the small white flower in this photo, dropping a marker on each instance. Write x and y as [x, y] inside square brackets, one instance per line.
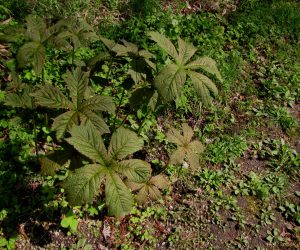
[208, 140]
[185, 165]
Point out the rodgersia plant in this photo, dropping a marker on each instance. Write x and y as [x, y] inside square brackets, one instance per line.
[80, 106]
[187, 148]
[109, 168]
[170, 80]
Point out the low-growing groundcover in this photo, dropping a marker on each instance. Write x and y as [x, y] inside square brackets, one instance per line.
[150, 129]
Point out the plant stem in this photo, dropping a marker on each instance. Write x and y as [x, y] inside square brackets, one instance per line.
[107, 75]
[143, 122]
[35, 138]
[118, 108]
[43, 76]
[73, 55]
[125, 118]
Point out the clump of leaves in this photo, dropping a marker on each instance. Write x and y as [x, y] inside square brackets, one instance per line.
[149, 190]
[187, 147]
[38, 36]
[140, 66]
[170, 80]
[139, 59]
[78, 33]
[226, 149]
[18, 94]
[80, 106]
[108, 167]
[54, 160]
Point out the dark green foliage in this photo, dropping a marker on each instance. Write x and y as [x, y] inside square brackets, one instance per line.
[170, 80]
[140, 59]
[239, 190]
[109, 166]
[81, 104]
[38, 36]
[226, 149]
[18, 93]
[144, 7]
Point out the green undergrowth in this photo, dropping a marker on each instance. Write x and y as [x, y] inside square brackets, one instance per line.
[89, 128]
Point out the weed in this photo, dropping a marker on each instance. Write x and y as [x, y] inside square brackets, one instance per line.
[226, 149]
[274, 237]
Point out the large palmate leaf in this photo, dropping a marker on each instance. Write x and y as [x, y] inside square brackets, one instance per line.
[124, 142]
[187, 148]
[134, 169]
[99, 103]
[142, 96]
[15, 83]
[169, 82]
[77, 83]
[64, 122]
[171, 79]
[84, 184]
[150, 189]
[51, 97]
[80, 106]
[88, 141]
[118, 197]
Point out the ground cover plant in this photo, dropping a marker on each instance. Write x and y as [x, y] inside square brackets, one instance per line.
[149, 124]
